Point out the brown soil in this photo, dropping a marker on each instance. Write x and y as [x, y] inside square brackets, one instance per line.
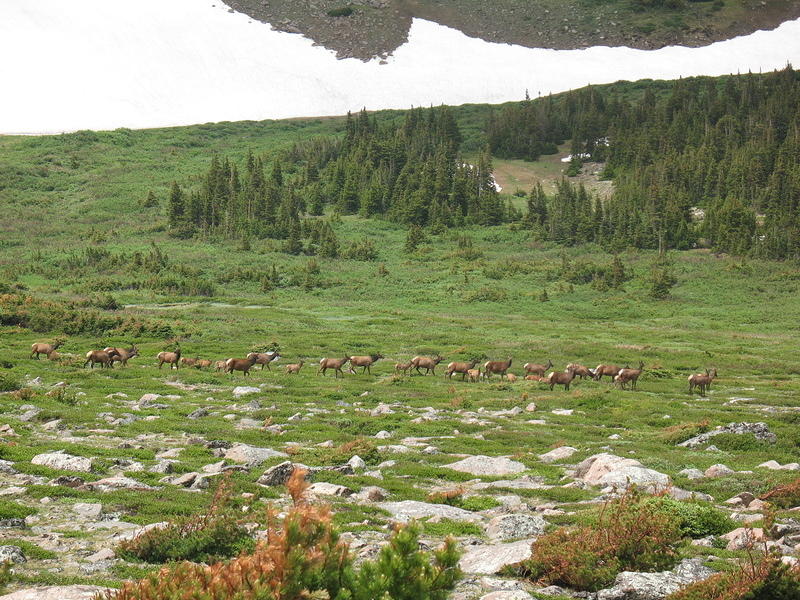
[377, 27]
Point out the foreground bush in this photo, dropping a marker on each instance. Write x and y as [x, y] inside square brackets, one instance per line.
[762, 578]
[219, 533]
[631, 534]
[303, 558]
[784, 496]
[695, 519]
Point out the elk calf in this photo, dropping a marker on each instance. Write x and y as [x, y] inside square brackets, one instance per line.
[474, 375]
[703, 382]
[295, 368]
[404, 367]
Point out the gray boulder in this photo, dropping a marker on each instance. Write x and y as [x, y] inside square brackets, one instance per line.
[631, 585]
[57, 592]
[251, 455]
[408, 510]
[759, 430]
[12, 554]
[63, 462]
[492, 558]
[558, 454]
[515, 526]
[487, 465]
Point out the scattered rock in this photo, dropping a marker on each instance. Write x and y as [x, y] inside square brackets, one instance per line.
[515, 526]
[63, 462]
[561, 453]
[743, 537]
[277, 475]
[718, 470]
[372, 493]
[565, 412]
[117, 482]
[759, 430]
[251, 455]
[630, 585]
[692, 474]
[776, 466]
[243, 390]
[486, 465]
[618, 472]
[197, 413]
[491, 558]
[383, 435]
[58, 592]
[408, 510]
[101, 555]
[357, 463]
[12, 554]
[330, 489]
[88, 510]
[508, 595]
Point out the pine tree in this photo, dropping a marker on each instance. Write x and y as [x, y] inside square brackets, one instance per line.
[175, 209]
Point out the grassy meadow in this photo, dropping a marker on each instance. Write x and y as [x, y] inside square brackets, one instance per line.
[73, 220]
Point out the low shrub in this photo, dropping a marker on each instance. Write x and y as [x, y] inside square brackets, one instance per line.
[9, 383]
[219, 533]
[12, 510]
[784, 496]
[675, 434]
[629, 534]
[302, 557]
[695, 519]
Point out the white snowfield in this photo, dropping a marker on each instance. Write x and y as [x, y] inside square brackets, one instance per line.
[103, 64]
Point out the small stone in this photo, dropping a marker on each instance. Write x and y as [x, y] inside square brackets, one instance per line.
[63, 462]
[558, 454]
[487, 465]
[243, 390]
[357, 463]
[692, 474]
[100, 555]
[12, 554]
[330, 489]
[743, 537]
[383, 435]
[718, 470]
[515, 526]
[88, 510]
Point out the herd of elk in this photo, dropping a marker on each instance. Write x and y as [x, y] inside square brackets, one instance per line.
[332, 363]
[703, 382]
[365, 362]
[427, 363]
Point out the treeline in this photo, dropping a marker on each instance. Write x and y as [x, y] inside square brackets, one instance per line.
[711, 159]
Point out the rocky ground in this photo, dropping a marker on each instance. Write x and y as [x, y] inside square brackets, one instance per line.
[81, 487]
[377, 27]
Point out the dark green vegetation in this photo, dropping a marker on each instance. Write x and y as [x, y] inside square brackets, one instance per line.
[87, 254]
[377, 28]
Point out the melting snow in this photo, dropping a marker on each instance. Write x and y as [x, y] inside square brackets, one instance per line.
[104, 64]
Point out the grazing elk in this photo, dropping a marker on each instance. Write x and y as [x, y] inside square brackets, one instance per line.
[535, 378]
[219, 365]
[264, 358]
[404, 367]
[189, 362]
[42, 348]
[295, 368]
[511, 378]
[535, 369]
[627, 375]
[332, 363]
[610, 370]
[365, 362]
[240, 364]
[202, 363]
[496, 366]
[105, 359]
[122, 355]
[460, 367]
[173, 359]
[581, 371]
[561, 378]
[474, 375]
[427, 363]
[703, 382]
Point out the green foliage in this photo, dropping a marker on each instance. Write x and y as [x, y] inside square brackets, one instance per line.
[12, 510]
[30, 550]
[9, 383]
[695, 519]
[6, 575]
[662, 280]
[344, 11]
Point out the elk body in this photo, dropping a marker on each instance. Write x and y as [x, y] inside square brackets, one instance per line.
[610, 370]
[332, 363]
[496, 366]
[173, 359]
[581, 371]
[629, 376]
[103, 358]
[511, 378]
[427, 363]
[219, 365]
[42, 348]
[703, 382]
[240, 364]
[264, 358]
[474, 375]
[365, 362]
[404, 367]
[535, 378]
[295, 368]
[202, 363]
[189, 362]
[561, 378]
[460, 367]
[122, 355]
[536, 369]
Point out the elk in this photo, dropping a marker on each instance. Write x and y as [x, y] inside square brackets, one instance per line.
[264, 358]
[42, 348]
[332, 363]
[702, 381]
[404, 367]
[365, 362]
[511, 378]
[295, 368]
[496, 366]
[559, 378]
[610, 370]
[189, 362]
[173, 359]
[122, 355]
[580, 370]
[474, 375]
[219, 365]
[105, 359]
[202, 363]
[535, 378]
[534, 369]
[240, 364]
[627, 375]
[460, 367]
[427, 363]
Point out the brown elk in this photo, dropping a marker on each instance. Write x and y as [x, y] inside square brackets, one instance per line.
[511, 378]
[42, 348]
[202, 363]
[474, 375]
[122, 355]
[536, 369]
[610, 370]
[561, 378]
[581, 371]
[219, 365]
[295, 368]
[365, 362]
[173, 359]
[105, 359]
[535, 378]
[460, 367]
[427, 363]
[404, 367]
[698, 380]
[496, 366]
[332, 363]
[264, 358]
[627, 375]
[189, 362]
[240, 364]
